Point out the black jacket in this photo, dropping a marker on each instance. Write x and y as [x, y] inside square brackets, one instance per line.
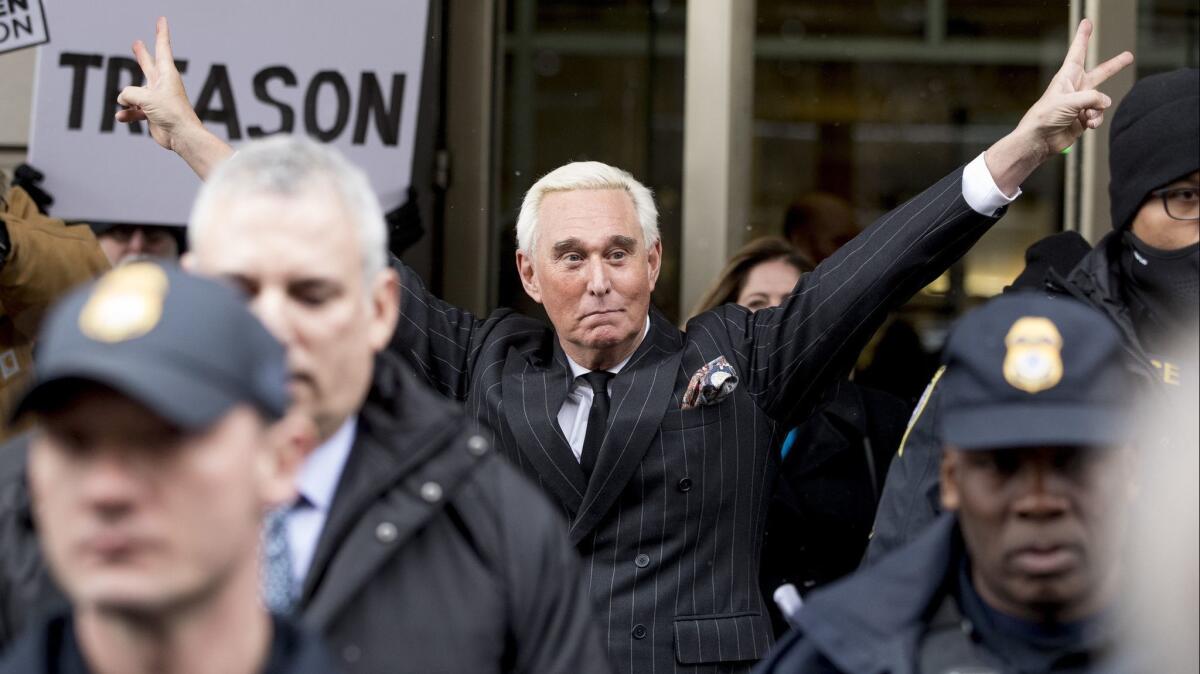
[436, 555]
[51, 648]
[829, 484]
[910, 495]
[902, 616]
[670, 521]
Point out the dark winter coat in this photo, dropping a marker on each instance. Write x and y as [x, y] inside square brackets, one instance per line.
[910, 495]
[437, 556]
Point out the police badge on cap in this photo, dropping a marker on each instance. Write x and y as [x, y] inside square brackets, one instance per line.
[1033, 362]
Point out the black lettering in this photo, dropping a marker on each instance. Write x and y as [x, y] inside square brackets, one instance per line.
[311, 125]
[287, 117]
[113, 84]
[3, 31]
[79, 63]
[14, 5]
[217, 86]
[28, 26]
[387, 116]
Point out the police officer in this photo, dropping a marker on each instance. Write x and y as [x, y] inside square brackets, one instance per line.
[159, 447]
[1144, 275]
[1020, 570]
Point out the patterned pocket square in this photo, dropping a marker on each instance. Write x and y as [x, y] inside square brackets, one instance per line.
[711, 384]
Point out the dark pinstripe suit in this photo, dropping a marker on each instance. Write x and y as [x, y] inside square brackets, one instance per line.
[670, 525]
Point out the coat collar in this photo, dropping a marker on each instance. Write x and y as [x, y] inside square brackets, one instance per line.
[641, 394]
[874, 617]
[404, 434]
[535, 385]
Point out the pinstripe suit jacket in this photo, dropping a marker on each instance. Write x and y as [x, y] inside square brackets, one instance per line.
[670, 525]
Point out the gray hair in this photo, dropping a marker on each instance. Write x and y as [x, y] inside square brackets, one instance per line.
[287, 166]
[586, 175]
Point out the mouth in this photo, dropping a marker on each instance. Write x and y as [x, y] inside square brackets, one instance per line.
[112, 546]
[1049, 560]
[602, 312]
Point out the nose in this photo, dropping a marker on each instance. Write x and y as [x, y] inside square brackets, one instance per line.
[271, 307]
[111, 482]
[598, 282]
[1041, 497]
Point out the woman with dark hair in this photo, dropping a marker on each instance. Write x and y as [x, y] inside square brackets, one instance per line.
[758, 276]
[833, 464]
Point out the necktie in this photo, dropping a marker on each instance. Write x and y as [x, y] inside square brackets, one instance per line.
[278, 587]
[597, 420]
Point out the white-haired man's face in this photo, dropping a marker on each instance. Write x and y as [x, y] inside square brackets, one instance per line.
[299, 260]
[593, 273]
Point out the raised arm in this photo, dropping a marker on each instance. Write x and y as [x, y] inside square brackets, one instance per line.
[164, 105]
[791, 353]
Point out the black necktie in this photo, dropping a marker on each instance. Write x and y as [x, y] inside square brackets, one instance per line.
[597, 420]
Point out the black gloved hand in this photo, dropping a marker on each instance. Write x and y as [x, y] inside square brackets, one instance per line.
[27, 178]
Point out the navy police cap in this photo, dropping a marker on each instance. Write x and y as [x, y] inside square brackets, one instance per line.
[185, 347]
[1028, 369]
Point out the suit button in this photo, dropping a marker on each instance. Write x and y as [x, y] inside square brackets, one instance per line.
[685, 484]
[642, 561]
[639, 631]
[477, 446]
[431, 492]
[351, 653]
[385, 532]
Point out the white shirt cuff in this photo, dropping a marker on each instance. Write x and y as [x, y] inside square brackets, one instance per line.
[980, 191]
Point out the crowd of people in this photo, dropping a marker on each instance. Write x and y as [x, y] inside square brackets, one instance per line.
[285, 454]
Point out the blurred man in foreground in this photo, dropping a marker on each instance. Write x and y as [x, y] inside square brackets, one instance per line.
[1145, 276]
[1020, 573]
[157, 452]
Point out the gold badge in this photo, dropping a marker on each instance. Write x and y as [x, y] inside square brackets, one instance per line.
[125, 304]
[1033, 362]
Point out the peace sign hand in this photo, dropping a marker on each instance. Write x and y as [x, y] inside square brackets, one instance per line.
[1070, 105]
[164, 104]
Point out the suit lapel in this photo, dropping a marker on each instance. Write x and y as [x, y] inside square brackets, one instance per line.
[640, 396]
[533, 393]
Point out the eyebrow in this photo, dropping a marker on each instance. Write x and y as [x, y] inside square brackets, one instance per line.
[616, 241]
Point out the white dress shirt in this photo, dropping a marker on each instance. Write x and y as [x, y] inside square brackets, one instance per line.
[979, 191]
[316, 484]
[573, 415]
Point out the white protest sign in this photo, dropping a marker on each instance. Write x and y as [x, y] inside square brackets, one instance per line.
[22, 24]
[345, 74]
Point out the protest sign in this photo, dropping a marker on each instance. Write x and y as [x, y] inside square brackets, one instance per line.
[347, 75]
[22, 24]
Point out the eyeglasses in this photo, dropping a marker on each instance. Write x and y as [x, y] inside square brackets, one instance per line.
[1181, 203]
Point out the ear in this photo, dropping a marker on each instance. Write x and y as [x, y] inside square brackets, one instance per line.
[385, 308]
[288, 442]
[654, 260]
[948, 480]
[187, 262]
[528, 277]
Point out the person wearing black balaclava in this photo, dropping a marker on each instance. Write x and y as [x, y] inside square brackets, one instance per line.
[1145, 276]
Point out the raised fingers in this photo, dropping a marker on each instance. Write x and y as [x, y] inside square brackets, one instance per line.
[1109, 68]
[145, 61]
[162, 43]
[1077, 54]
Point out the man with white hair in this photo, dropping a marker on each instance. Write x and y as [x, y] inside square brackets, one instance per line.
[411, 547]
[660, 447]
